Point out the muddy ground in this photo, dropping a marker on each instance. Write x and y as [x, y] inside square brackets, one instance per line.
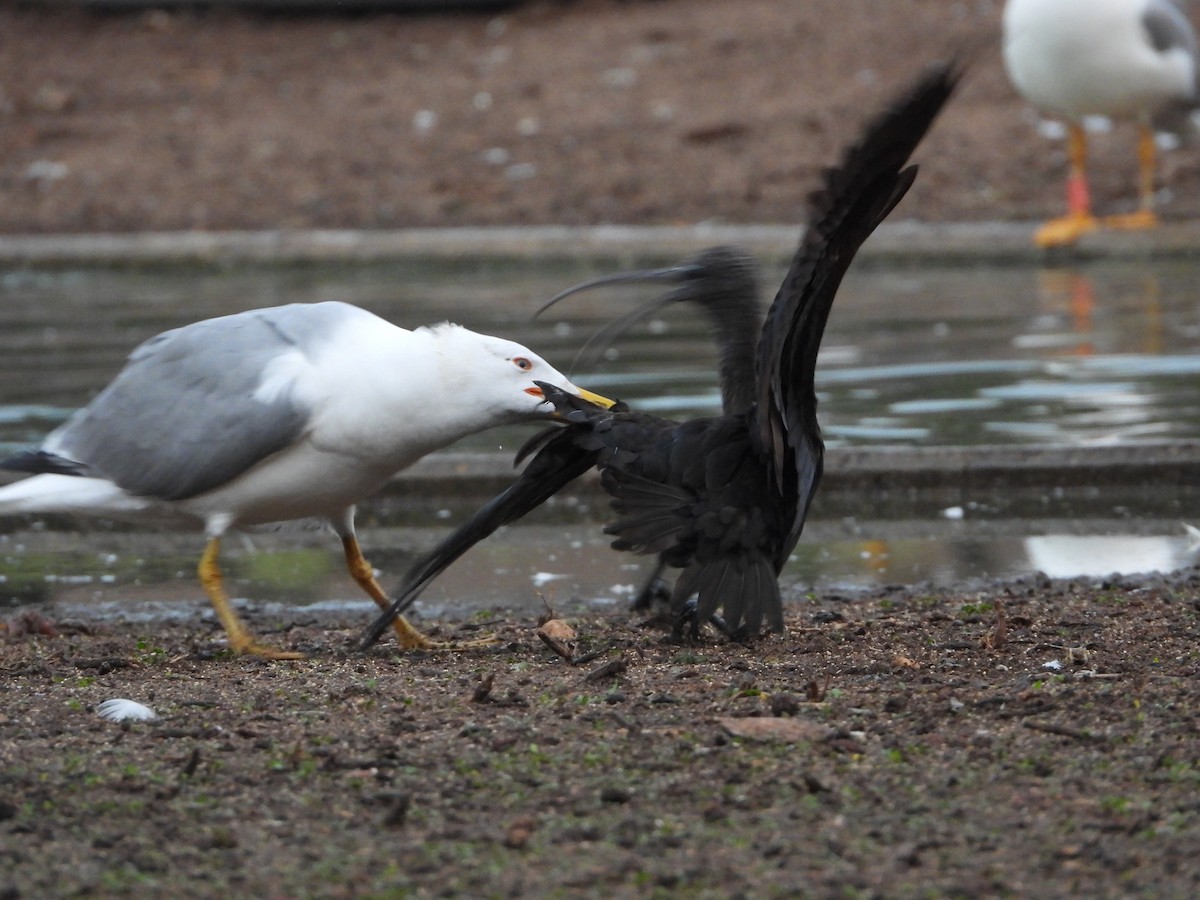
[1036, 738]
[559, 112]
[900, 743]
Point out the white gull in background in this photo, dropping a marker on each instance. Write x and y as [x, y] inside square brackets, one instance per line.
[1124, 59]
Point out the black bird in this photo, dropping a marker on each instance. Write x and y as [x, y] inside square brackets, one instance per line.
[723, 282]
[725, 498]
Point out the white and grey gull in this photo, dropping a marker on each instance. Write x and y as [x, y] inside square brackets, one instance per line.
[275, 414]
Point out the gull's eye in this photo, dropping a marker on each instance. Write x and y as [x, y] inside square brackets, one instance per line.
[522, 363]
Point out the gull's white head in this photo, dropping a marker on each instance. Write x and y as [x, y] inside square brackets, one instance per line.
[496, 376]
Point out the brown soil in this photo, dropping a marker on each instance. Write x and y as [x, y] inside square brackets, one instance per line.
[554, 112]
[902, 743]
[898, 744]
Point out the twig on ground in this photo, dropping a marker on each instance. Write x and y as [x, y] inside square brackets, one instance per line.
[483, 690]
[1063, 730]
[996, 638]
[585, 658]
[612, 667]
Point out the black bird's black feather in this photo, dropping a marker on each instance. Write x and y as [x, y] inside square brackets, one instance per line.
[725, 498]
[723, 283]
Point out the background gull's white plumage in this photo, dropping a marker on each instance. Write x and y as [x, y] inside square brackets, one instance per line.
[1124, 59]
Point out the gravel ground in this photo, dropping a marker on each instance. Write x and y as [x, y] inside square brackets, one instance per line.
[1034, 738]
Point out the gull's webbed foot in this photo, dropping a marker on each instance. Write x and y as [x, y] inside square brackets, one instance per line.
[1142, 220]
[1065, 230]
[412, 639]
[246, 645]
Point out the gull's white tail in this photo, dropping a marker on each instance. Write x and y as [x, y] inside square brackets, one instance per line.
[71, 495]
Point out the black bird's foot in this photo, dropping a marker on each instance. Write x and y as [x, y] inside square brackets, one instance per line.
[689, 615]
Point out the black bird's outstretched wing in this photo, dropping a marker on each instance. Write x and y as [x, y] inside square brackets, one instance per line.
[856, 196]
[561, 458]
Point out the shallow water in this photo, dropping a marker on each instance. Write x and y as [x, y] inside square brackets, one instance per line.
[1103, 354]
[1107, 354]
[141, 576]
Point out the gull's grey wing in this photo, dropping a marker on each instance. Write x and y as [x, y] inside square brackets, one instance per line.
[182, 417]
[1168, 27]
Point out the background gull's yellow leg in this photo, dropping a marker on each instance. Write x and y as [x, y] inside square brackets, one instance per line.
[1079, 219]
[1145, 217]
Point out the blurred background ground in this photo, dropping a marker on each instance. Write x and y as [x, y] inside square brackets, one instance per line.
[595, 111]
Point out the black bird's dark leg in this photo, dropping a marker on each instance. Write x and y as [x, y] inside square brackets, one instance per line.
[689, 613]
[654, 588]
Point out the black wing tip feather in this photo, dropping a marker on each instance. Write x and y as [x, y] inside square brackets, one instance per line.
[852, 200]
[39, 462]
[745, 590]
[557, 463]
[890, 138]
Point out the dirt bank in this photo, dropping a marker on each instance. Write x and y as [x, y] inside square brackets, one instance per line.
[658, 111]
[1038, 738]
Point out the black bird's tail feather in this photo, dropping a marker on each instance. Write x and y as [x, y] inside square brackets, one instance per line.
[746, 588]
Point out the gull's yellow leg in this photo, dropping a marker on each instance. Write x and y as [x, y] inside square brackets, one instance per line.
[410, 638]
[1145, 217]
[1079, 219]
[240, 639]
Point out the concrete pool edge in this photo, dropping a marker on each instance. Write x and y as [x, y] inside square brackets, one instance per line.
[863, 469]
[904, 241]
[861, 475]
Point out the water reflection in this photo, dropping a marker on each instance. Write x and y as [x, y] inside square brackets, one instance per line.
[1101, 355]
[1068, 555]
[947, 560]
[1087, 330]
[136, 577]
[951, 356]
